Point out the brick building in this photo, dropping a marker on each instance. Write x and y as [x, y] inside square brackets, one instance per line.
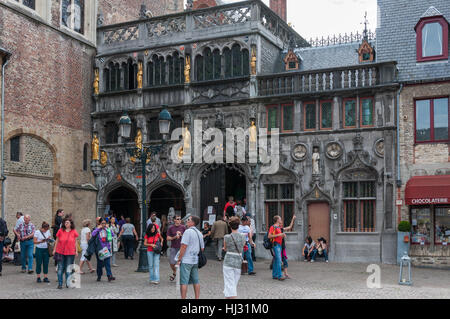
[420, 47]
[48, 101]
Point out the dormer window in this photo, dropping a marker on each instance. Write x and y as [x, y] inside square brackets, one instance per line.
[432, 39]
[291, 61]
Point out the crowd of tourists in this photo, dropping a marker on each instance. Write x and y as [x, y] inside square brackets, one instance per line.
[180, 239]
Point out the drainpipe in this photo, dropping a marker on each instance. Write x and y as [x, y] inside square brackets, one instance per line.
[399, 177]
[2, 175]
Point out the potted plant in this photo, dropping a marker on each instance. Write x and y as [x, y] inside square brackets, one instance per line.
[403, 239]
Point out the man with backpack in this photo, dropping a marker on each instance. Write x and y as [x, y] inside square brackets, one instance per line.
[276, 235]
[3, 234]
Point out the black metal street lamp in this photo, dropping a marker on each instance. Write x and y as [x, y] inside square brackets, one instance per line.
[143, 155]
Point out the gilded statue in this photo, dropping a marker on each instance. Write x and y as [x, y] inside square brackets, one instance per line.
[252, 132]
[103, 158]
[95, 148]
[96, 82]
[138, 139]
[187, 70]
[186, 139]
[140, 75]
[253, 62]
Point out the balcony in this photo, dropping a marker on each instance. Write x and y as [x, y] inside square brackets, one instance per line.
[327, 80]
[198, 25]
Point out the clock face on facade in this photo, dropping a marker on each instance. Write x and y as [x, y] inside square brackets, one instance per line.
[334, 150]
[299, 152]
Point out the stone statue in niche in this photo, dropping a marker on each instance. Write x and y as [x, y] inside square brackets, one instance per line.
[95, 148]
[316, 161]
[140, 75]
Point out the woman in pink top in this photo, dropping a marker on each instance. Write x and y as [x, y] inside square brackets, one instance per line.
[65, 249]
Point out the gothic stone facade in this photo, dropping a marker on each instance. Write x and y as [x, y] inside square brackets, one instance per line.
[354, 181]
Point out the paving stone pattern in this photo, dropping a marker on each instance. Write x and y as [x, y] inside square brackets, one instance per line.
[310, 280]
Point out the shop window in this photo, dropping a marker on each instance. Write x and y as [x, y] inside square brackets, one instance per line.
[421, 225]
[359, 206]
[15, 149]
[442, 225]
[326, 115]
[288, 117]
[272, 117]
[279, 200]
[111, 131]
[366, 111]
[72, 15]
[432, 39]
[349, 113]
[310, 116]
[432, 120]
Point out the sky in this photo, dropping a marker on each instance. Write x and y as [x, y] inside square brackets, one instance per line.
[317, 18]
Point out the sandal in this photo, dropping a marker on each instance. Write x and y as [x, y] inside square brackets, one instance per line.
[91, 271]
[172, 277]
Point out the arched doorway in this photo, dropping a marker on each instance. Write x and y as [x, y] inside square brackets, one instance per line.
[165, 197]
[217, 183]
[124, 201]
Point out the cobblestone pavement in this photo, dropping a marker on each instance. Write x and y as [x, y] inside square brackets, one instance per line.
[309, 280]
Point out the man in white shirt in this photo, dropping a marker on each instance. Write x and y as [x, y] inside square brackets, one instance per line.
[191, 243]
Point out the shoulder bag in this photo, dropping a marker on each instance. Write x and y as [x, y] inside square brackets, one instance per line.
[201, 256]
[157, 249]
[50, 245]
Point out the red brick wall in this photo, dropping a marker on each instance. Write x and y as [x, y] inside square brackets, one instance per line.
[199, 4]
[116, 11]
[279, 7]
[49, 74]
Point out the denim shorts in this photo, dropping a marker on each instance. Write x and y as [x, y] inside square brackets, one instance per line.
[189, 274]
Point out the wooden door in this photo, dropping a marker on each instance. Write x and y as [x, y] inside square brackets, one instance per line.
[319, 221]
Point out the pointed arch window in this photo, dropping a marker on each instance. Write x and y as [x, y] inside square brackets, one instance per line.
[359, 199]
[199, 65]
[217, 60]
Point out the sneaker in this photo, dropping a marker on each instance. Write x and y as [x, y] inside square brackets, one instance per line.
[30, 272]
[39, 280]
[252, 273]
[114, 265]
[281, 279]
[305, 260]
[326, 261]
[46, 280]
[23, 271]
[312, 261]
[99, 279]
[59, 287]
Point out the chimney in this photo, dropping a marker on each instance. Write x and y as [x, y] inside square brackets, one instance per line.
[280, 8]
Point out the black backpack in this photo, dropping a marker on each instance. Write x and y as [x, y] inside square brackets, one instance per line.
[3, 228]
[267, 243]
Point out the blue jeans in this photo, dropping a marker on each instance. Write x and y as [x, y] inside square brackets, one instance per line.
[104, 263]
[276, 269]
[1, 255]
[26, 254]
[248, 256]
[62, 267]
[153, 265]
[315, 252]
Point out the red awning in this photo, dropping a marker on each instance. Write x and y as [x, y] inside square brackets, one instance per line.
[428, 190]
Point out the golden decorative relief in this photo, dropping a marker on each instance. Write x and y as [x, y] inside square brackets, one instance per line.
[187, 70]
[103, 158]
[138, 139]
[252, 132]
[96, 82]
[253, 61]
[140, 75]
[95, 147]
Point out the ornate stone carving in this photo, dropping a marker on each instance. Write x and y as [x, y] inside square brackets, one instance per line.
[222, 17]
[379, 147]
[165, 27]
[299, 152]
[334, 150]
[124, 34]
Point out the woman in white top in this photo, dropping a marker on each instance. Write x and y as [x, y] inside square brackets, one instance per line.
[114, 245]
[41, 238]
[84, 239]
